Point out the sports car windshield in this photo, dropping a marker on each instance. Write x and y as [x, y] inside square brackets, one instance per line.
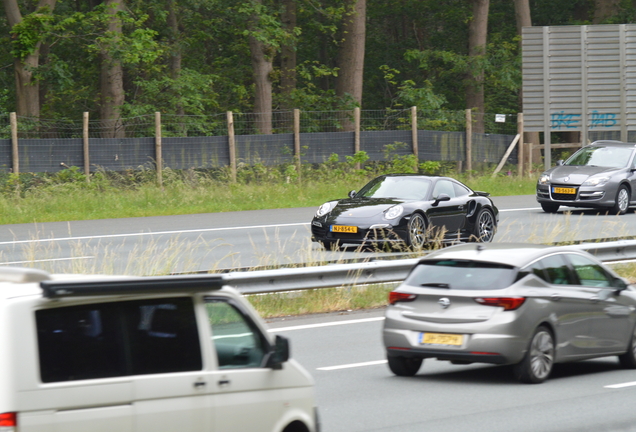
[461, 275]
[406, 188]
[612, 157]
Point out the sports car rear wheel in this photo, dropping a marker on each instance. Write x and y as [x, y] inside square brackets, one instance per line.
[417, 231]
[485, 226]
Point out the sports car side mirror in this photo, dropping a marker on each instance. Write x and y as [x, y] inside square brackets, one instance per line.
[441, 197]
[352, 194]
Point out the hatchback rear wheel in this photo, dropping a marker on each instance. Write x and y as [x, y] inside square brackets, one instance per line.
[403, 366]
[539, 359]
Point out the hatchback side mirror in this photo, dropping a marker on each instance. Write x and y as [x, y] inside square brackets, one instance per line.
[560, 162]
[620, 284]
[279, 353]
[352, 194]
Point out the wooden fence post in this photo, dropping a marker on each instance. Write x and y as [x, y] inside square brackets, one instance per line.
[15, 156]
[416, 150]
[469, 140]
[356, 136]
[231, 145]
[87, 163]
[297, 155]
[158, 154]
[520, 154]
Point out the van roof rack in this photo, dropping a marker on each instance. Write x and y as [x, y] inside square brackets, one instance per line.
[130, 286]
[22, 275]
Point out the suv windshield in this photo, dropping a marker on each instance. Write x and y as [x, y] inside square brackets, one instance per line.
[603, 156]
[461, 275]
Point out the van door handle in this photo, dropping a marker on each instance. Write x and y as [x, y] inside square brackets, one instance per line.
[224, 382]
[199, 384]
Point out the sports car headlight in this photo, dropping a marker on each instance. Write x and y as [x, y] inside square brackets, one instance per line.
[393, 212]
[325, 208]
[596, 181]
[544, 179]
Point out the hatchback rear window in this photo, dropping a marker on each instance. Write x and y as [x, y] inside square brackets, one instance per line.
[461, 275]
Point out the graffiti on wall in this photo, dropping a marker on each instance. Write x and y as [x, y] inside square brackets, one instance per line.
[563, 121]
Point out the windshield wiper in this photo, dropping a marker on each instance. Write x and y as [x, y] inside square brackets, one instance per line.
[436, 285]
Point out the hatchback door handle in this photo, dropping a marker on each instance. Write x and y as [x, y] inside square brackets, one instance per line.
[555, 297]
[594, 299]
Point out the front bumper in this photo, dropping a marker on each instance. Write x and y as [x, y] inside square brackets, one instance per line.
[320, 232]
[585, 196]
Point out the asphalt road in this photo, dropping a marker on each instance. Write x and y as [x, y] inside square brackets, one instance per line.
[357, 392]
[247, 239]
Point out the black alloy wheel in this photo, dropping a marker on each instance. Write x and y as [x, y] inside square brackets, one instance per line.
[485, 226]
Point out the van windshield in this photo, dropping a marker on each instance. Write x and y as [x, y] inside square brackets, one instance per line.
[461, 275]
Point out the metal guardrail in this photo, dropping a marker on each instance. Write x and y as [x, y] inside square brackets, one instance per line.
[335, 275]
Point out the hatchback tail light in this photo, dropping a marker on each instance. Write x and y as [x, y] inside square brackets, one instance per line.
[395, 297]
[8, 422]
[508, 303]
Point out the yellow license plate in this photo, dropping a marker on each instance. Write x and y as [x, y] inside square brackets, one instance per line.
[344, 229]
[441, 339]
[562, 190]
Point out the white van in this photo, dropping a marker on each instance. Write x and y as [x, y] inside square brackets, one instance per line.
[152, 354]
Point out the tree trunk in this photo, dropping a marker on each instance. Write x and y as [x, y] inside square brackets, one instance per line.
[477, 36]
[604, 9]
[350, 59]
[175, 49]
[288, 55]
[351, 54]
[27, 87]
[112, 78]
[262, 66]
[524, 19]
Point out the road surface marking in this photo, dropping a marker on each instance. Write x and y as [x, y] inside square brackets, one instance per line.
[616, 386]
[333, 323]
[352, 365]
[45, 260]
[151, 233]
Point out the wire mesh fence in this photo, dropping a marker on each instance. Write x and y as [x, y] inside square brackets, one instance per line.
[202, 141]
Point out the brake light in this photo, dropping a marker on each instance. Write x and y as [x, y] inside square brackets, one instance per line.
[8, 420]
[508, 303]
[395, 297]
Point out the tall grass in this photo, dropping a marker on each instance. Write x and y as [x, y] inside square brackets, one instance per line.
[67, 195]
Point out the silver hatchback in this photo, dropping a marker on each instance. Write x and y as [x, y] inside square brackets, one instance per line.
[527, 305]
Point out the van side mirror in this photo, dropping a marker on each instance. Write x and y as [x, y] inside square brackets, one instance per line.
[279, 353]
[352, 194]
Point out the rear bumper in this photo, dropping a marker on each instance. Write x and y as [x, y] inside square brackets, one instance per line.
[469, 357]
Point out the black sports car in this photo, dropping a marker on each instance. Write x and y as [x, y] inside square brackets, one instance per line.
[406, 209]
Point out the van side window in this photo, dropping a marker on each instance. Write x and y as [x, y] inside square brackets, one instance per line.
[117, 339]
[238, 342]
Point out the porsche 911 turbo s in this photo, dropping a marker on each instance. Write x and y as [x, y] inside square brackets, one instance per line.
[601, 175]
[411, 209]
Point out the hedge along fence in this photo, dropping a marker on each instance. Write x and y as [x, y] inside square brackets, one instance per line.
[184, 142]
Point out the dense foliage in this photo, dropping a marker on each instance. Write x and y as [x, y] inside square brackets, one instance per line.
[416, 53]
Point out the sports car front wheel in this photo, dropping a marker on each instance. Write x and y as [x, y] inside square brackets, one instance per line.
[417, 231]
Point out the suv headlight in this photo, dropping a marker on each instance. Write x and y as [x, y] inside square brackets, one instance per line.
[544, 179]
[325, 208]
[393, 212]
[596, 181]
